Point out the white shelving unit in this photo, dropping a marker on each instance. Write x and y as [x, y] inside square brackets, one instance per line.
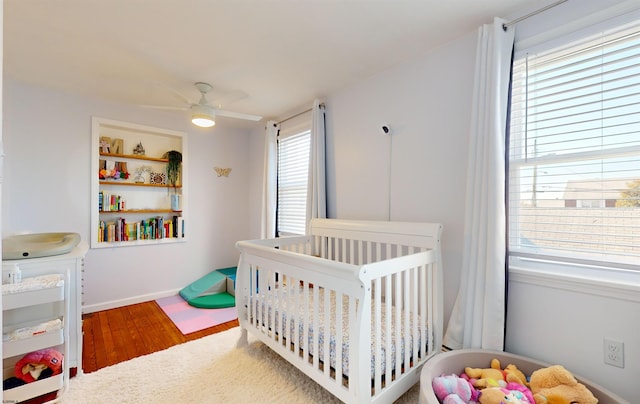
[28, 308]
[13, 351]
[145, 200]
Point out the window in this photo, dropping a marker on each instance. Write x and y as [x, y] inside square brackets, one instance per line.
[293, 169]
[574, 152]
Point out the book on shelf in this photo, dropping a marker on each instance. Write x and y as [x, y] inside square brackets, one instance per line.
[110, 203]
[153, 228]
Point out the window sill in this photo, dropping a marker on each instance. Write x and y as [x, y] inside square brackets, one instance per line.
[606, 282]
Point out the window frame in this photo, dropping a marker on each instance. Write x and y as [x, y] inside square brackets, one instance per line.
[539, 259]
[291, 131]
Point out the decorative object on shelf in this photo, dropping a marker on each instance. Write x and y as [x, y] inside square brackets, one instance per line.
[175, 203]
[157, 178]
[105, 144]
[116, 170]
[174, 158]
[117, 146]
[222, 171]
[140, 171]
[138, 150]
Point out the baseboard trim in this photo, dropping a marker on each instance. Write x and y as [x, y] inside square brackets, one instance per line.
[92, 308]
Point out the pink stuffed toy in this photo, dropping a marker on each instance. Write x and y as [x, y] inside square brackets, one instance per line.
[32, 364]
[453, 390]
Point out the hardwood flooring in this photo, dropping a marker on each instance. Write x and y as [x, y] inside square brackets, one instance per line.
[123, 333]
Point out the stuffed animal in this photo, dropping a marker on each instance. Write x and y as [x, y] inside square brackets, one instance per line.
[453, 390]
[35, 364]
[512, 373]
[486, 377]
[513, 393]
[556, 385]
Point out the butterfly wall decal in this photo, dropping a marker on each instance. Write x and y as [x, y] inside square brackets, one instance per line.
[222, 171]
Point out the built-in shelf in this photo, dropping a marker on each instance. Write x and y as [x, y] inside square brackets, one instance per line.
[138, 184]
[135, 211]
[135, 157]
[142, 209]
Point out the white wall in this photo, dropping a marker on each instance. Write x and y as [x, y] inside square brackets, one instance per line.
[47, 188]
[419, 171]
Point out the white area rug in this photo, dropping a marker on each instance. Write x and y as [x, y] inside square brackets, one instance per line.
[207, 370]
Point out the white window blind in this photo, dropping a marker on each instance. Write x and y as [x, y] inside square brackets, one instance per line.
[574, 152]
[293, 169]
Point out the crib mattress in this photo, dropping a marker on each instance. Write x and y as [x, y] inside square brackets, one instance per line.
[279, 299]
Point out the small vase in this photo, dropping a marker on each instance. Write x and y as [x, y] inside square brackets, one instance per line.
[175, 203]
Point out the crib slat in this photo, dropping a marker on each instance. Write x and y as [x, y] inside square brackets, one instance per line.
[338, 346]
[430, 308]
[292, 322]
[398, 321]
[388, 340]
[377, 334]
[414, 313]
[406, 306]
[316, 326]
[327, 331]
[252, 293]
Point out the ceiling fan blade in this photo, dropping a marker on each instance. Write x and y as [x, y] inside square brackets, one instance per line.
[176, 93]
[237, 115]
[228, 98]
[165, 107]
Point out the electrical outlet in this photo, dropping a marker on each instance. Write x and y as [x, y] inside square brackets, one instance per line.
[613, 352]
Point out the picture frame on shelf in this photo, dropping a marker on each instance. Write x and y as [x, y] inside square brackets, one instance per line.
[157, 178]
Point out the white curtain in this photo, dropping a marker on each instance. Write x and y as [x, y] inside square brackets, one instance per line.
[269, 196]
[316, 188]
[478, 317]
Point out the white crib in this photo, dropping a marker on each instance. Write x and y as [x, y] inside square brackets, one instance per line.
[357, 306]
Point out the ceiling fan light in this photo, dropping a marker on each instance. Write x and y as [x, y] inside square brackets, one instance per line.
[203, 116]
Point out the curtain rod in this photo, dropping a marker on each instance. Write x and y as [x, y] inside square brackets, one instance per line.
[524, 17]
[298, 114]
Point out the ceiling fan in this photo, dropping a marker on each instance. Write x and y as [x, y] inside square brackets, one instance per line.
[203, 114]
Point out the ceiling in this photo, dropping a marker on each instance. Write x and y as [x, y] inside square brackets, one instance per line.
[280, 53]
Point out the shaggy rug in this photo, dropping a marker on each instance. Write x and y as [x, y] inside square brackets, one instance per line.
[207, 370]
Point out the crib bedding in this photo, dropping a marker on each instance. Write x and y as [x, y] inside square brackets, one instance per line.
[279, 298]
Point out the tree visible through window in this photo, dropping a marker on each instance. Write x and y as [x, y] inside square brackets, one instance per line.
[574, 152]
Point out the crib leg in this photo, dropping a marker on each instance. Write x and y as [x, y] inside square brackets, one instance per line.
[242, 341]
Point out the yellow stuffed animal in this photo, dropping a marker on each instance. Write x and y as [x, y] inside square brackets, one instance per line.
[556, 385]
[486, 377]
[512, 373]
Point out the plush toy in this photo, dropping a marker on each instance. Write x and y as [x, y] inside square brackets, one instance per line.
[512, 373]
[453, 390]
[513, 393]
[556, 385]
[35, 364]
[486, 377]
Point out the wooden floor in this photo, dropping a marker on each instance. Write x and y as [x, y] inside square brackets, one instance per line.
[123, 333]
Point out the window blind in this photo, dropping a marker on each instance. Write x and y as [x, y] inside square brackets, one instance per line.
[574, 152]
[293, 169]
